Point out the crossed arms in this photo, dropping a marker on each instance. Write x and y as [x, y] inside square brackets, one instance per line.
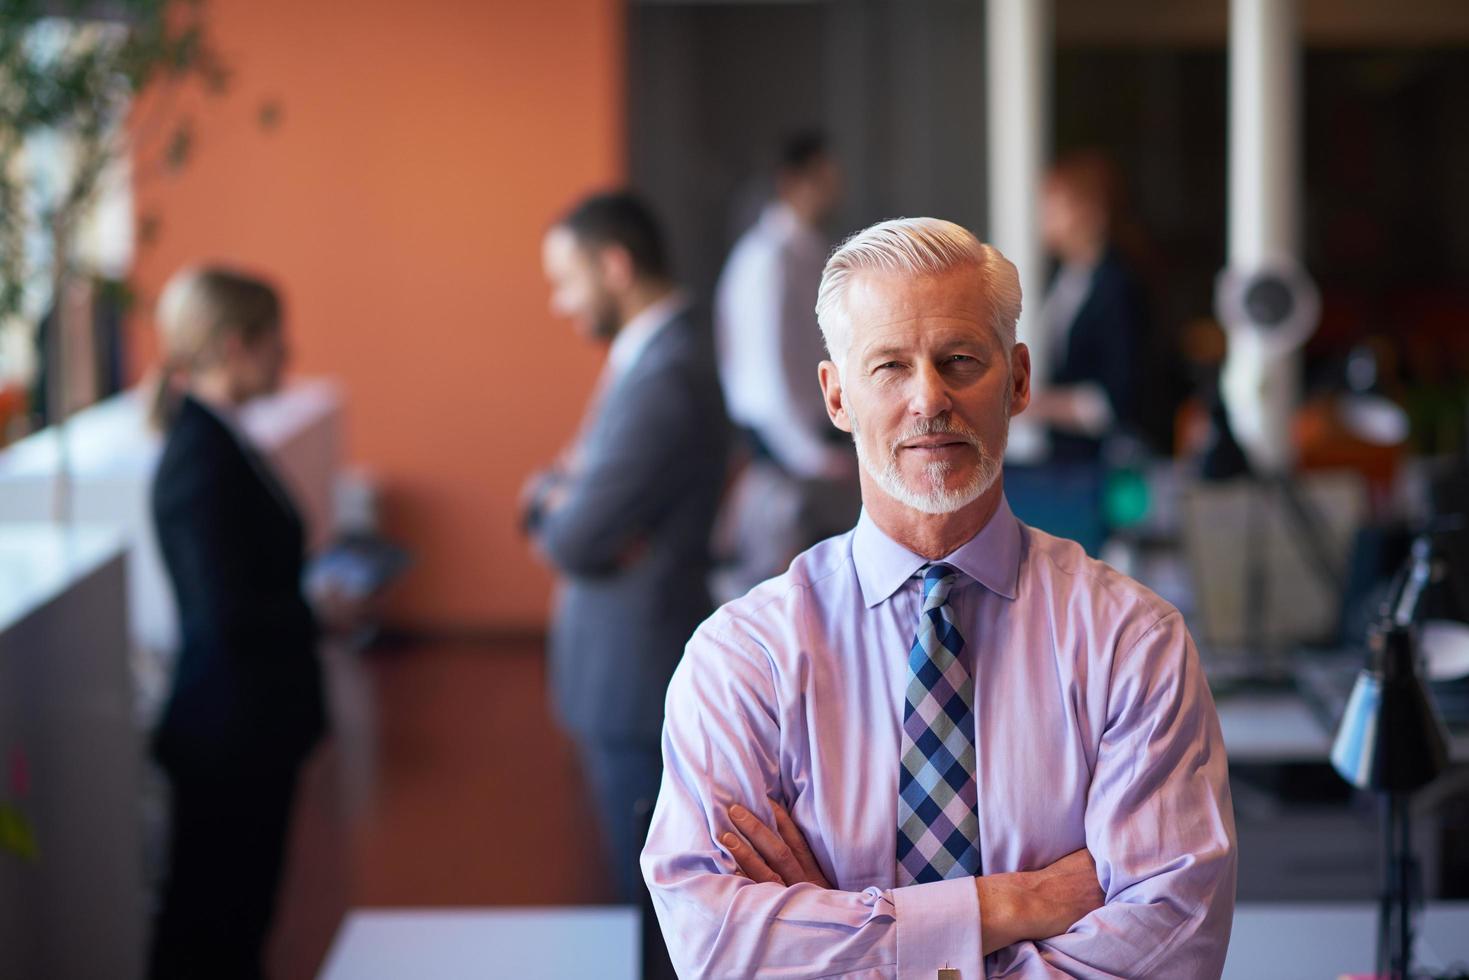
[1013, 906]
[747, 894]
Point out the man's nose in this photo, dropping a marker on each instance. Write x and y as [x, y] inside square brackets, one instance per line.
[929, 395]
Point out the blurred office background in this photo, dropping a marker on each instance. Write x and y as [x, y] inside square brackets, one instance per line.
[393, 168]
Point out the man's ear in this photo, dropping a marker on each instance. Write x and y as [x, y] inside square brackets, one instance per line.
[616, 266]
[833, 395]
[1019, 378]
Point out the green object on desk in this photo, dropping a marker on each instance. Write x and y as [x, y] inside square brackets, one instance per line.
[1125, 498]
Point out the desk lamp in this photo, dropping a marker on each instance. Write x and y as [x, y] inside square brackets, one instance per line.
[1391, 741]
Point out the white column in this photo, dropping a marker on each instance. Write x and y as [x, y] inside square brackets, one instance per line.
[1018, 70]
[1261, 375]
[1264, 149]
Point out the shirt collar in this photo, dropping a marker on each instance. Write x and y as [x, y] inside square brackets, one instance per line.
[991, 557]
[638, 332]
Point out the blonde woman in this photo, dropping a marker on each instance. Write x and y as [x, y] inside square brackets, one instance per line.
[246, 703]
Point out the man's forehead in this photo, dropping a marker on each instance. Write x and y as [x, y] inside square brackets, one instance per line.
[880, 301]
[557, 241]
[562, 246]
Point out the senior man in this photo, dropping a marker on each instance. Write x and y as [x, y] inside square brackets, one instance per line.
[944, 741]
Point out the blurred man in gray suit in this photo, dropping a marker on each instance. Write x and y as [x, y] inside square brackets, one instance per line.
[625, 513]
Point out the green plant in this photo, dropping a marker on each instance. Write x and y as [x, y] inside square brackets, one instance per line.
[70, 71]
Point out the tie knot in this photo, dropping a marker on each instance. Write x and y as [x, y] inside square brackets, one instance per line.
[938, 578]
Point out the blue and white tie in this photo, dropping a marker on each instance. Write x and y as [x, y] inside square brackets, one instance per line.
[938, 829]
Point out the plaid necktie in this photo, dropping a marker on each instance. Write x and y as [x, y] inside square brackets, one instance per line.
[938, 830]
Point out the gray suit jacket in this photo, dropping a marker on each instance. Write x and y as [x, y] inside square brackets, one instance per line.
[631, 539]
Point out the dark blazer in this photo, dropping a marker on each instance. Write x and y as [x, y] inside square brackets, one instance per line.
[1106, 346]
[247, 685]
[631, 539]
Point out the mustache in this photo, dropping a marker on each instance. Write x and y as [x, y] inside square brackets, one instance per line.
[937, 425]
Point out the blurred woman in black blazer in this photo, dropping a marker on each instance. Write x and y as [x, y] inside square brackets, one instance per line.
[1107, 372]
[246, 703]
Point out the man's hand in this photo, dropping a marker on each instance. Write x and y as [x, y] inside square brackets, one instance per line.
[1020, 905]
[528, 504]
[1013, 906]
[541, 494]
[781, 856]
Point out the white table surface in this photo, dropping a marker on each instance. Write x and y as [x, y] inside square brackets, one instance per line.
[586, 943]
[39, 561]
[1311, 941]
[1271, 727]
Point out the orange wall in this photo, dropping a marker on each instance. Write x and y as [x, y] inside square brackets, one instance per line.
[420, 151]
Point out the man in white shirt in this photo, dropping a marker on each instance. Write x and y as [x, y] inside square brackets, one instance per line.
[801, 484]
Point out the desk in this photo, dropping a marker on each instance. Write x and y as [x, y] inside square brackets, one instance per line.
[1323, 941]
[1277, 727]
[1296, 846]
[456, 944]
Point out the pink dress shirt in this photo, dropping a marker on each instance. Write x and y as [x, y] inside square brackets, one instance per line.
[1094, 728]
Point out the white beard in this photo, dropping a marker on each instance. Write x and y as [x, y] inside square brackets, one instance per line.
[935, 498]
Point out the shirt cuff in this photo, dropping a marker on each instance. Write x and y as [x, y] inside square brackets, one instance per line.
[938, 928]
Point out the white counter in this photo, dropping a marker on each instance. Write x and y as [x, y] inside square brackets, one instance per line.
[113, 454]
[71, 880]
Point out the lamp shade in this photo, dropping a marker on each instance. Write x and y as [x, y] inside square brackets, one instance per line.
[1391, 737]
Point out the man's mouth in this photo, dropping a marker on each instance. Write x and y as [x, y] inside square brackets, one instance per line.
[936, 443]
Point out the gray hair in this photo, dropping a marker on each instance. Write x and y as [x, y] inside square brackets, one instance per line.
[921, 247]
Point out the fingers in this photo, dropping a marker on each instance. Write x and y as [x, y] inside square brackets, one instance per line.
[771, 847]
[796, 841]
[780, 855]
[750, 863]
[775, 852]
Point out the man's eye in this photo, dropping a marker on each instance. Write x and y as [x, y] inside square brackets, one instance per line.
[886, 365]
[960, 359]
